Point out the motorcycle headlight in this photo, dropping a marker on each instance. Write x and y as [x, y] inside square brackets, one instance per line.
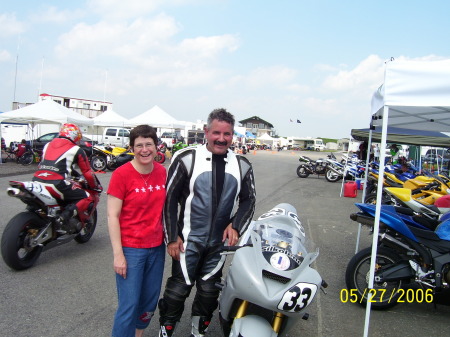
[280, 261]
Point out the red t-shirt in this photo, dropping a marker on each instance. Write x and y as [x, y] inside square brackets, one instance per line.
[143, 199]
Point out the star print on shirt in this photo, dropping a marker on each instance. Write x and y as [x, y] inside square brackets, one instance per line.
[143, 189]
[150, 188]
[137, 190]
[158, 187]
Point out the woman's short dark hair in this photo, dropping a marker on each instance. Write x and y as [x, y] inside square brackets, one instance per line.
[144, 131]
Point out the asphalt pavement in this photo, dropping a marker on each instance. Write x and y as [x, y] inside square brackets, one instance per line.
[71, 289]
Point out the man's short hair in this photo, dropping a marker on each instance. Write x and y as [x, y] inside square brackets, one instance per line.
[221, 115]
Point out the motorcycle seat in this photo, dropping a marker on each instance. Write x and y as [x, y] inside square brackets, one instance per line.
[429, 223]
[431, 240]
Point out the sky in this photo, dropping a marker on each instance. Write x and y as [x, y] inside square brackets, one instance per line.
[316, 61]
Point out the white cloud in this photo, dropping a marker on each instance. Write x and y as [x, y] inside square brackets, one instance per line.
[5, 56]
[368, 73]
[54, 15]
[10, 25]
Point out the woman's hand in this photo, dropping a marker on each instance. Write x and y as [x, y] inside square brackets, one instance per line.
[120, 265]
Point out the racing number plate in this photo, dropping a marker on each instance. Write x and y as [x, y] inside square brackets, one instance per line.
[298, 297]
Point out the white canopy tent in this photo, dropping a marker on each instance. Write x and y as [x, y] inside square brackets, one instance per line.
[44, 112]
[157, 118]
[107, 118]
[110, 118]
[414, 95]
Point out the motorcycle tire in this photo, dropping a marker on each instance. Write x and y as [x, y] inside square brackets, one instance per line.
[26, 158]
[15, 236]
[385, 199]
[302, 172]
[87, 232]
[98, 163]
[160, 158]
[331, 176]
[357, 277]
[111, 166]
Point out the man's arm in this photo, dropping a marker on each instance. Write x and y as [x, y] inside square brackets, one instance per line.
[247, 200]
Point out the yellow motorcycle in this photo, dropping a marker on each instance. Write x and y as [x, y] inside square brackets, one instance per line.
[109, 157]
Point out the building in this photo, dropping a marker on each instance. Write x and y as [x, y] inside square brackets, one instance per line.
[86, 107]
[257, 126]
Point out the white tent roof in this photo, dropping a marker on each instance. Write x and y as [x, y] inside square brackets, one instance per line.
[417, 94]
[110, 118]
[266, 136]
[157, 118]
[44, 112]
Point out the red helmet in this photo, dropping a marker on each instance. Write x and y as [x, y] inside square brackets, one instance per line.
[71, 131]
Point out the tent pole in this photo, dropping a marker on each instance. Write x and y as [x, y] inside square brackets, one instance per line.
[376, 228]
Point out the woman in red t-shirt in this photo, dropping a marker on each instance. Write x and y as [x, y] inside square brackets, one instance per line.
[136, 196]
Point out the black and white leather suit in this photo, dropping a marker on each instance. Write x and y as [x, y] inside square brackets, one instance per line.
[205, 193]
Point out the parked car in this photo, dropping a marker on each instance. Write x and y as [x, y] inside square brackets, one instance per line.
[39, 143]
[443, 155]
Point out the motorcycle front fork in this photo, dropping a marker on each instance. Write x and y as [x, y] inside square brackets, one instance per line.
[276, 321]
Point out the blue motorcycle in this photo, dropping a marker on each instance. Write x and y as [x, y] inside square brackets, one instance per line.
[413, 259]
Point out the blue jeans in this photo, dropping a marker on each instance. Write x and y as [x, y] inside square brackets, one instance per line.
[138, 294]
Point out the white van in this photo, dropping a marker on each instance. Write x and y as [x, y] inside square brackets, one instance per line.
[116, 136]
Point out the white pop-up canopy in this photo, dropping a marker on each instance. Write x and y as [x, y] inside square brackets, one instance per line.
[110, 118]
[157, 118]
[44, 112]
[414, 95]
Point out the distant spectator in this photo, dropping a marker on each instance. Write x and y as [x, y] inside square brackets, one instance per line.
[3, 144]
[22, 148]
[362, 155]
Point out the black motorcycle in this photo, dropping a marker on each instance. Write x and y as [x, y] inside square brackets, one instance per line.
[309, 166]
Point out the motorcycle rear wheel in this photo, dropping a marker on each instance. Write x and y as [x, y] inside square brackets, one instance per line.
[385, 199]
[87, 232]
[111, 165]
[160, 158]
[331, 176]
[357, 278]
[302, 172]
[98, 163]
[17, 233]
[26, 158]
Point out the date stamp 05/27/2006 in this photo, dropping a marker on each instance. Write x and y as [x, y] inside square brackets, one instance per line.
[382, 295]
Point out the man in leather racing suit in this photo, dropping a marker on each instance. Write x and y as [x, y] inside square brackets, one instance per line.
[56, 166]
[210, 199]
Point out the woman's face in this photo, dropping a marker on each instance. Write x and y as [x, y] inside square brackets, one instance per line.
[144, 150]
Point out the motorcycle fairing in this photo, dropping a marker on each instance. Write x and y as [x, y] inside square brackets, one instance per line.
[252, 325]
[41, 191]
[388, 216]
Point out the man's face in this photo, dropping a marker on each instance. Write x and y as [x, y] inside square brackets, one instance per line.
[219, 137]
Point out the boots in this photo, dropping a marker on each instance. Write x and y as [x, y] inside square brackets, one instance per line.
[166, 329]
[200, 325]
[65, 220]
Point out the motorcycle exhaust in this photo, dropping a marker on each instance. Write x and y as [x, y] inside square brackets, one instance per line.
[332, 168]
[398, 244]
[13, 192]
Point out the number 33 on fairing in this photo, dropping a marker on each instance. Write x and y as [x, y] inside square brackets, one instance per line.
[298, 297]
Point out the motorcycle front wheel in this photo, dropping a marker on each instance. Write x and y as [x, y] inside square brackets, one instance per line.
[385, 294]
[16, 240]
[332, 176]
[302, 172]
[87, 232]
[98, 163]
